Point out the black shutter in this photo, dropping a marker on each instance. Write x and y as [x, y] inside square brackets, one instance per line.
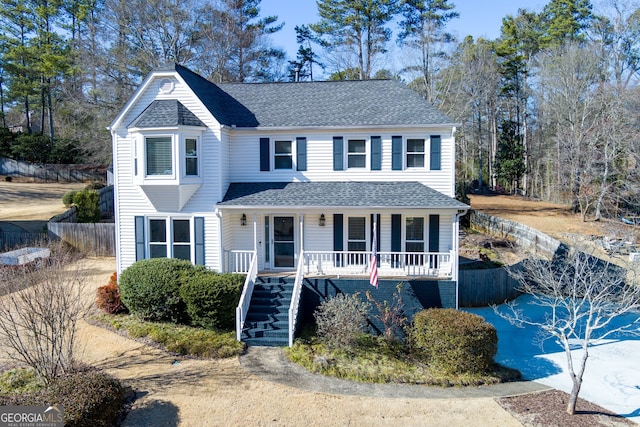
[396, 233]
[376, 153]
[301, 154]
[199, 239]
[264, 155]
[338, 232]
[396, 153]
[338, 237]
[436, 152]
[434, 233]
[396, 238]
[139, 232]
[338, 153]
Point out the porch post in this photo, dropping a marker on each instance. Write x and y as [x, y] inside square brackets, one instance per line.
[255, 233]
[221, 255]
[301, 219]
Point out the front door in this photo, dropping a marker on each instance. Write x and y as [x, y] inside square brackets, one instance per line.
[283, 242]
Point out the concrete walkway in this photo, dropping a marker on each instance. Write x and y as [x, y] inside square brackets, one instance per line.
[271, 364]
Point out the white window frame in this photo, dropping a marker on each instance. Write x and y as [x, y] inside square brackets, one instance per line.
[363, 154]
[408, 153]
[424, 232]
[185, 155]
[291, 155]
[179, 157]
[171, 138]
[169, 243]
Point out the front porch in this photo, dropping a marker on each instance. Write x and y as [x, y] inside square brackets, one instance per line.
[428, 265]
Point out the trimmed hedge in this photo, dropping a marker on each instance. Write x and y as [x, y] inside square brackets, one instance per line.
[150, 289]
[453, 342]
[211, 298]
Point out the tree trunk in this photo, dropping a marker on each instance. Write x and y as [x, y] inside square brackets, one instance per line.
[576, 376]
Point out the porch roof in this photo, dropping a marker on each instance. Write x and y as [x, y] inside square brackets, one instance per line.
[336, 194]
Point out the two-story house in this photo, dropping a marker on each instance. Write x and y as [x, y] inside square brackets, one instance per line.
[286, 177]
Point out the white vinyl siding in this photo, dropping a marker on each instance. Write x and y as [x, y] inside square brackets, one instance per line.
[244, 158]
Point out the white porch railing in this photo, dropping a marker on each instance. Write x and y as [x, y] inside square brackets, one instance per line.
[238, 261]
[245, 297]
[391, 264]
[295, 300]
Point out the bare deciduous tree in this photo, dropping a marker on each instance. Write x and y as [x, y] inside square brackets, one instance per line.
[39, 313]
[581, 296]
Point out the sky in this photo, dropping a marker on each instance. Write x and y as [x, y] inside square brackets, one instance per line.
[612, 374]
[479, 18]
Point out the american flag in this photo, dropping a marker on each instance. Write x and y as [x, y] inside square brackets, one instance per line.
[373, 265]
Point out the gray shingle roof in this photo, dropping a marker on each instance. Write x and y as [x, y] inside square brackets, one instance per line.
[334, 103]
[337, 194]
[162, 113]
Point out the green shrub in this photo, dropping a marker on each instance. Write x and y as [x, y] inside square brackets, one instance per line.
[453, 342]
[88, 204]
[67, 199]
[94, 186]
[211, 298]
[150, 289]
[89, 398]
[341, 320]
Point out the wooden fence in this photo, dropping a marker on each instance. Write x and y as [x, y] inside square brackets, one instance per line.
[53, 173]
[92, 239]
[479, 288]
[96, 239]
[14, 239]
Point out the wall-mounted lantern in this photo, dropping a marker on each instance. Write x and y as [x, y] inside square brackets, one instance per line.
[322, 220]
[243, 220]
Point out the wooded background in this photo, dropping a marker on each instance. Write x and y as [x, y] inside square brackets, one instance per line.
[548, 109]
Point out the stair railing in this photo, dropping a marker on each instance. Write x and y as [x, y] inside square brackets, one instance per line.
[295, 298]
[245, 297]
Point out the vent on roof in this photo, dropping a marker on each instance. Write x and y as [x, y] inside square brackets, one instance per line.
[166, 86]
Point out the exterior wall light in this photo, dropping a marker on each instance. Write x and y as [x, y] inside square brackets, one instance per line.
[243, 220]
[321, 222]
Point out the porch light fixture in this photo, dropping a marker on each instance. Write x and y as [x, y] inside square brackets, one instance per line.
[243, 220]
[321, 221]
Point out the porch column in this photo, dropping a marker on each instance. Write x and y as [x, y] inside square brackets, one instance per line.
[301, 219]
[221, 255]
[255, 233]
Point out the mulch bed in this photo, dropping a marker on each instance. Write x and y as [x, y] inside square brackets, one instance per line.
[548, 408]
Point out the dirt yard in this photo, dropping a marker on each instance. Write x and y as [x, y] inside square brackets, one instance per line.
[555, 220]
[187, 392]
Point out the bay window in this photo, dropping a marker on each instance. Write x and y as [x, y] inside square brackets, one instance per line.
[159, 153]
